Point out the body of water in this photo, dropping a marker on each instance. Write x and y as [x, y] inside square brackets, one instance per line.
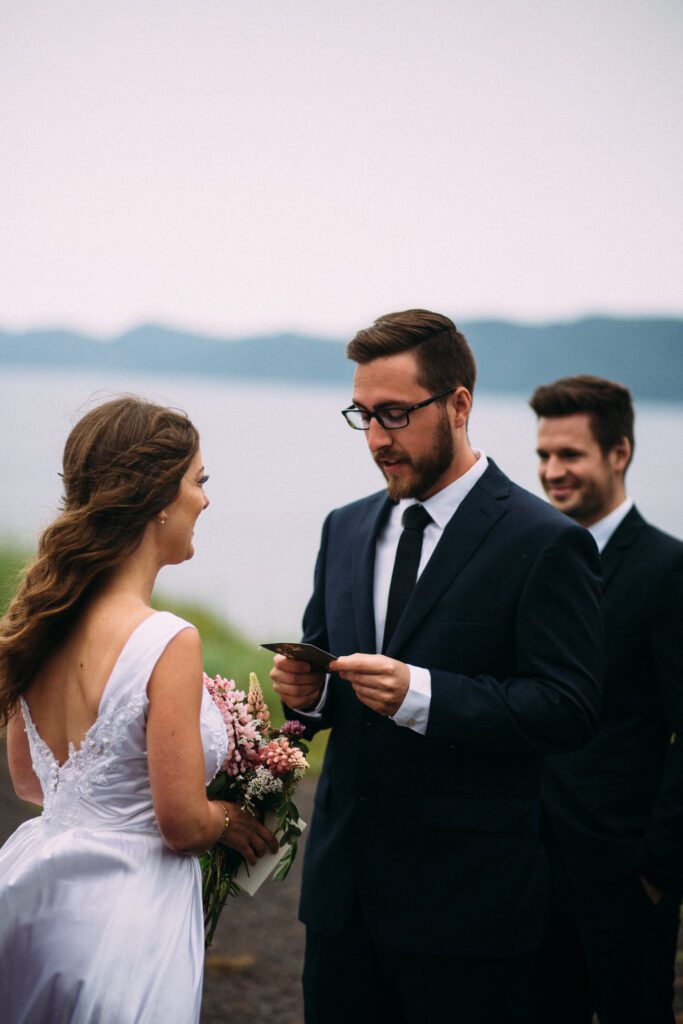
[279, 458]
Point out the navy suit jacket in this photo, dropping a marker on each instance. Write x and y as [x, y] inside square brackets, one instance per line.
[615, 807]
[438, 835]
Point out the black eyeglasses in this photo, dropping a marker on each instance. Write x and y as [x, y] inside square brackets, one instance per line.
[389, 418]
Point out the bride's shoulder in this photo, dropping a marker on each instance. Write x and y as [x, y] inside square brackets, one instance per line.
[164, 631]
[165, 621]
[177, 659]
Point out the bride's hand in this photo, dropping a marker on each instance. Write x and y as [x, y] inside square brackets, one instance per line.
[246, 834]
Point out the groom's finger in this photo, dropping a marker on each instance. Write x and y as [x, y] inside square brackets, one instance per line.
[364, 664]
[383, 694]
[374, 686]
[295, 689]
[289, 666]
[303, 695]
[374, 705]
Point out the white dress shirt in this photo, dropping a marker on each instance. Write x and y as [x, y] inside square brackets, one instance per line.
[414, 711]
[604, 528]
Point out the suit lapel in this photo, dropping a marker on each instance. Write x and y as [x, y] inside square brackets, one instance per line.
[473, 520]
[626, 534]
[363, 569]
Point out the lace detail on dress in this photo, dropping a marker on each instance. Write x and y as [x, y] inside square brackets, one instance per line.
[216, 742]
[66, 786]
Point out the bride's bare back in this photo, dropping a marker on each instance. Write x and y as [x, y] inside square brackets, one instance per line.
[64, 698]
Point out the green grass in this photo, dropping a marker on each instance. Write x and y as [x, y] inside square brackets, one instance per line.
[12, 561]
[226, 652]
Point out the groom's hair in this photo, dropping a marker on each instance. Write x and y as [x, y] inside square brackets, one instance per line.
[444, 358]
[123, 463]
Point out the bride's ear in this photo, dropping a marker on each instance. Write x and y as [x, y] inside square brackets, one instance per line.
[162, 518]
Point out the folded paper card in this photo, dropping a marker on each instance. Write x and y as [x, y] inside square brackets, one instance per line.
[252, 878]
[315, 656]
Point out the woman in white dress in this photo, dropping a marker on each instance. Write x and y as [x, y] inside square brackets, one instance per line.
[110, 729]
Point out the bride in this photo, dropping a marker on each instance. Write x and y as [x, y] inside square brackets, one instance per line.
[110, 729]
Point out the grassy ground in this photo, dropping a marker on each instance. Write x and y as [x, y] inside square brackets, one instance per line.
[12, 561]
[226, 652]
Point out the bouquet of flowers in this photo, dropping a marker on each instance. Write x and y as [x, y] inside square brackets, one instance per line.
[260, 773]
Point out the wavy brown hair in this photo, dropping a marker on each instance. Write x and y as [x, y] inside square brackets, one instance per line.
[123, 463]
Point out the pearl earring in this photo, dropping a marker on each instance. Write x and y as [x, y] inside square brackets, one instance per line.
[162, 519]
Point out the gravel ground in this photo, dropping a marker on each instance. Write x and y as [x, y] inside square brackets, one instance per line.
[254, 966]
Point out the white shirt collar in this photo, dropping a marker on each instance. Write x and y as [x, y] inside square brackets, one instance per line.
[442, 505]
[604, 528]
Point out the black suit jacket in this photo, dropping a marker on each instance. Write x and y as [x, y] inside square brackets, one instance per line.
[438, 835]
[615, 808]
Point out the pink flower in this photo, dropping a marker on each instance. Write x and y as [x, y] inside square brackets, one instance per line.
[280, 758]
[256, 702]
[244, 738]
[293, 729]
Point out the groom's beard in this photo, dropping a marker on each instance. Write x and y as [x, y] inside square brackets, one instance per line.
[419, 474]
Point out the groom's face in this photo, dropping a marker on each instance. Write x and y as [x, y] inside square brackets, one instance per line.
[417, 460]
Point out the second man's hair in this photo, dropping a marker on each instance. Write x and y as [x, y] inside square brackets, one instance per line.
[608, 404]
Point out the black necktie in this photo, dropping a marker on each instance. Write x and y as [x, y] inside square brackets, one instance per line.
[403, 578]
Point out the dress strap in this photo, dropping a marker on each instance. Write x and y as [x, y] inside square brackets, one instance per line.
[140, 655]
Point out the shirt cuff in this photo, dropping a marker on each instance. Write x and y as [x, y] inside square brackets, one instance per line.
[414, 711]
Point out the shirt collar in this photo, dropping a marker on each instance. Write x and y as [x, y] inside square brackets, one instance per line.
[604, 528]
[442, 505]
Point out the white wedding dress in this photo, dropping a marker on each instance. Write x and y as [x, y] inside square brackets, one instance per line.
[100, 922]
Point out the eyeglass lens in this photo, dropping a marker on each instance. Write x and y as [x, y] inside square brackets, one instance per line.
[390, 419]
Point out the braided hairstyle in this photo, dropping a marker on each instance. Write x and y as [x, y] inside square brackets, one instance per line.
[123, 463]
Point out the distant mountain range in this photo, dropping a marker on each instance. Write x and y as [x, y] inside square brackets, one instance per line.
[644, 354]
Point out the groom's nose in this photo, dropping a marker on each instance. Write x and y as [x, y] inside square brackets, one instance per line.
[377, 437]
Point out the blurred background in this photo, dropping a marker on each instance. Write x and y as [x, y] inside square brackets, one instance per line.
[202, 201]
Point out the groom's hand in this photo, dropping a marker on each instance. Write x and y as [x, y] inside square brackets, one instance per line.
[379, 682]
[295, 684]
[247, 835]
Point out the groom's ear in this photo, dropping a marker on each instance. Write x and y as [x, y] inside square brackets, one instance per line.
[461, 405]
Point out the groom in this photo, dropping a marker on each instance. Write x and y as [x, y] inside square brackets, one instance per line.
[425, 885]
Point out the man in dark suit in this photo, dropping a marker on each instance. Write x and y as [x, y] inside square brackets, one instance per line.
[425, 884]
[613, 810]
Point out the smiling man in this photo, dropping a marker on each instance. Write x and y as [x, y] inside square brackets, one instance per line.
[464, 614]
[614, 810]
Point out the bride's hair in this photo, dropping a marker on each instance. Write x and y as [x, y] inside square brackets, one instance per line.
[123, 463]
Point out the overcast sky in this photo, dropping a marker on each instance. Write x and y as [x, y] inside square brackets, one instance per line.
[247, 165]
